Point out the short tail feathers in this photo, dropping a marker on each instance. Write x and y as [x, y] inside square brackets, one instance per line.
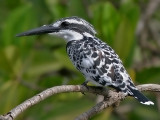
[139, 96]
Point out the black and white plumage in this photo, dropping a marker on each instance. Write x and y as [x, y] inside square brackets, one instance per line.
[96, 60]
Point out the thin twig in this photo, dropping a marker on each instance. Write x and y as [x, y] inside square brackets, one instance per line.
[114, 97]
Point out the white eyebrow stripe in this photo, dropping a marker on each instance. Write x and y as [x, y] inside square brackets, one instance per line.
[74, 21]
[87, 34]
[57, 24]
[82, 22]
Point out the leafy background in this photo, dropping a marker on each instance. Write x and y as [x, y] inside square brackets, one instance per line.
[29, 65]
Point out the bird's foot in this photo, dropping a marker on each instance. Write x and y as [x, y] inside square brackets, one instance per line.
[85, 84]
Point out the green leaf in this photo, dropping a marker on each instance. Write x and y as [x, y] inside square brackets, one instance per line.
[77, 8]
[8, 96]
[22, 18]
[124, 41]
[57, 9]
[148, 75]
[106, 20]
[10, 60]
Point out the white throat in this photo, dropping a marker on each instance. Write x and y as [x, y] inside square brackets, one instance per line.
[68, 35]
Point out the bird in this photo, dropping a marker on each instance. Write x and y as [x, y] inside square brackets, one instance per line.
[95, 59]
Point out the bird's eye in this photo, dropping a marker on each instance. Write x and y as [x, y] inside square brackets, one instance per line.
[64, 24]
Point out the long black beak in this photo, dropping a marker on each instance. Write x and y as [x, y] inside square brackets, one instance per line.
[37, 31]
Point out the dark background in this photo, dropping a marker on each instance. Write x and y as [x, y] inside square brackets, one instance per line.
[29, 65]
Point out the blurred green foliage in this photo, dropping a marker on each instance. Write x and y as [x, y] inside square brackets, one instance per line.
[29, 65]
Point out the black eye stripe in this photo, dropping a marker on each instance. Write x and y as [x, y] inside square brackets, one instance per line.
[65, 24]
[81, 28]
[76, 27]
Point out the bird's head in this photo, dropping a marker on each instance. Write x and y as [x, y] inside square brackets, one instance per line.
[70, 28]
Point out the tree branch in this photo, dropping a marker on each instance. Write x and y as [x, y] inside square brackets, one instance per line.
[111, 98]
[115, 97]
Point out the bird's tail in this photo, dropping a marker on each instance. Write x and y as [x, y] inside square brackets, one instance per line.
[139, 96]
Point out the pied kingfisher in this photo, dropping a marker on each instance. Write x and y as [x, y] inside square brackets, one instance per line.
[95, 59]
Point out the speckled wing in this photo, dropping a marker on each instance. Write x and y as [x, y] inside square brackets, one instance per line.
[95, 62]
[107, 65]
[101, 65]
